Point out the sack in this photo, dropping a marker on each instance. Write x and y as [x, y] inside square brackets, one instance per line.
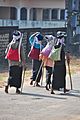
[46, 51]
[55, 54]
[13, 54]
[34, 53]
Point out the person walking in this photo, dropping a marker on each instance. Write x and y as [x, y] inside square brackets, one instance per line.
[16, 59]
[59, 72]
[36, 46]
[49, 63]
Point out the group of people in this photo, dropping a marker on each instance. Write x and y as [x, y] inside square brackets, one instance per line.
[55, 69]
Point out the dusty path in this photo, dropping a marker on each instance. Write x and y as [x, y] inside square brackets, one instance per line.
[38, 104]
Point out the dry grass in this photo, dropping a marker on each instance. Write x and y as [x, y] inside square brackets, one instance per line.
[74, 65]
[4, 76]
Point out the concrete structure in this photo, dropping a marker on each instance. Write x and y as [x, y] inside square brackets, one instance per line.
[29, 16]
[32, 13]
[46, 16]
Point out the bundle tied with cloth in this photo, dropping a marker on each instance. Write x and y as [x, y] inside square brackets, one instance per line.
[55, 53]
[44, 54]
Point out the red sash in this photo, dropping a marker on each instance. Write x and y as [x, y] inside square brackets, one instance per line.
[34, 53]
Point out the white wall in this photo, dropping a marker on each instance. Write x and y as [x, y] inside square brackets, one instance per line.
[34, 3]
[40, 4]
[48, 3]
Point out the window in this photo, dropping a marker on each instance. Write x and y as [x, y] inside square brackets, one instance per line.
[46, 13]
[54, 14]
[13, 13]
[62, 14]
[23, 15]
[33, 14]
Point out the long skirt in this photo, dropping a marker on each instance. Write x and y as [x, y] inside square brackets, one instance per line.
[15, 76]
[59, 77]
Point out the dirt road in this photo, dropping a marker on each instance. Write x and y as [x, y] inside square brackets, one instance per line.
[35, 103]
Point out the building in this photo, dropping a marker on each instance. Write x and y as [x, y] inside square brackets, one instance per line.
[46, 16]
[29, 16]
[32, 13]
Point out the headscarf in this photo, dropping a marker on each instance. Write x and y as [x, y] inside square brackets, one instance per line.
[61, 41]
[60, 38]
[50, 39]
[39, 37]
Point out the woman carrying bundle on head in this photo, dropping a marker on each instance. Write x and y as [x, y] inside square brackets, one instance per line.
[48, 63]
[16, 59]
[36, 46]
[59, 72]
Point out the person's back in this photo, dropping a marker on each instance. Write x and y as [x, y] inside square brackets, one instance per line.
[59, 72]
[36, 46]
[16, 58]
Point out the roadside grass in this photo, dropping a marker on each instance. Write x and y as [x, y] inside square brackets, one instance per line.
[4, 76]
[74, 67]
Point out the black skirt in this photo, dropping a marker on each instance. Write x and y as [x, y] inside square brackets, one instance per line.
[59, 77]
[59, 73]
[15, 76]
